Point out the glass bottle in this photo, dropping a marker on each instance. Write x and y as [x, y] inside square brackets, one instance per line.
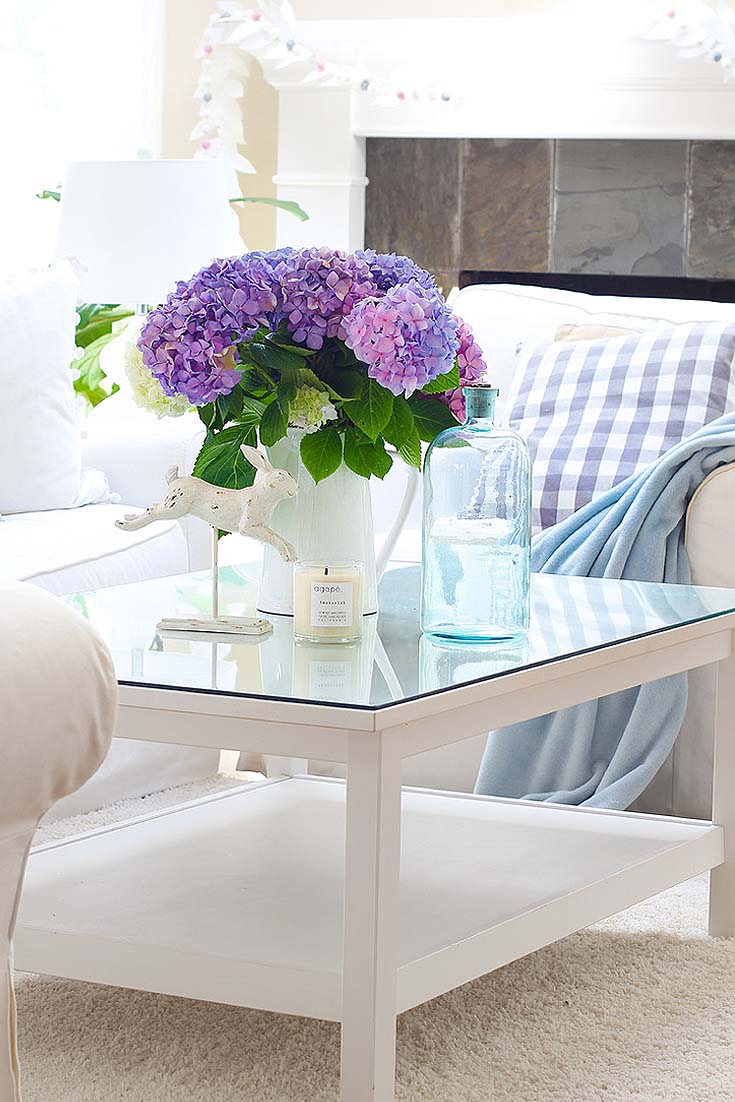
[477, 528]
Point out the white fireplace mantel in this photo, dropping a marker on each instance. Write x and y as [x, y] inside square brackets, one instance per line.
[512, 77]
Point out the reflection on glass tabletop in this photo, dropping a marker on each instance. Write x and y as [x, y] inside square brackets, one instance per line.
[393, 661]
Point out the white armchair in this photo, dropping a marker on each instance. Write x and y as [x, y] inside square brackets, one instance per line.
[71, 550]
[58, 701]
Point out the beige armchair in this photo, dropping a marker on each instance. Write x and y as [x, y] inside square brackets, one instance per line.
[57, 709]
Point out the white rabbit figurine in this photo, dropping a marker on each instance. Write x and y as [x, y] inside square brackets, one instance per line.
[246, 511]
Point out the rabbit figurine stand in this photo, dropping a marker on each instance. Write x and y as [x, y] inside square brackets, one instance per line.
[247, 511]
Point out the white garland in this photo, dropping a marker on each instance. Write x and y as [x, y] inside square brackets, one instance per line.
[696, 28]
[268, 31]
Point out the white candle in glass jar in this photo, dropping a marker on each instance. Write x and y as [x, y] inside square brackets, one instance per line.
[327, 601]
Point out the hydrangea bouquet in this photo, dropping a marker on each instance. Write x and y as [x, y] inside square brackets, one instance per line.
[359, 351]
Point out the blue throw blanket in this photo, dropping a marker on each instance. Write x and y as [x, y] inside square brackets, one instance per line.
[605, 752]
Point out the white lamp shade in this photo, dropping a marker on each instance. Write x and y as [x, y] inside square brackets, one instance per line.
[139, 226]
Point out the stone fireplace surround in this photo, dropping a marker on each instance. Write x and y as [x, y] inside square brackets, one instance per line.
[473, 208]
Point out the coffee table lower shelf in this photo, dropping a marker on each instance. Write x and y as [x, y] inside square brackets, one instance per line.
[237, 898]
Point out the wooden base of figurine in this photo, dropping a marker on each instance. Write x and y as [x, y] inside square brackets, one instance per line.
[214, 625]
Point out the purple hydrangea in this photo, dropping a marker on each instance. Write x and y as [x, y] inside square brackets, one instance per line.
[388, 270]
[319, 288]
[387, 309]
[471, 368]
[406, 337]
[188, 342]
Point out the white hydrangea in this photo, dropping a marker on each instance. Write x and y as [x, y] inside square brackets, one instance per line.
[146, 390]
[310, 408]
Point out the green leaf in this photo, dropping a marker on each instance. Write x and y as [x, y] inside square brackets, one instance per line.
[208, 414]
[383, 459]
[430, 416]
[95, 321]
[283, 340]
[273, 424]
[283, 204]
[401, 423]
[287, 389]
[345, 357]
[342, 382]
[410, 449]
[448, 381]
[228, 407]
[221, 462]
[251, 412]
[90, 371]
[372, 409]
[359, 452]
[364, 456]
[273, 358]
[253, 384]
[48, 193]
[321, 452]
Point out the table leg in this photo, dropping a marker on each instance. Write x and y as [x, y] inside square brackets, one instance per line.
[722, 878]
[371, 918]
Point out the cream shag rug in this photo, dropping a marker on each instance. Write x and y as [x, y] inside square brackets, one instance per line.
[640, 1007]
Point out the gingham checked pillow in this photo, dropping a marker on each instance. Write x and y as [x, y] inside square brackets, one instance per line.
[594, 412]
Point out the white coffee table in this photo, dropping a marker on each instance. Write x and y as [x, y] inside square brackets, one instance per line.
[260, 897]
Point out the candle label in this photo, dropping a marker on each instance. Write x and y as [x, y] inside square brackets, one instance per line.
[331, 604]
[330, 681]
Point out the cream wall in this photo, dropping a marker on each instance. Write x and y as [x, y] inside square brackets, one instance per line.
[424, 9]
[185, 21]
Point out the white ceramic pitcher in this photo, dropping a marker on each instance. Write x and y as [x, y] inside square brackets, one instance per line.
[330, 521]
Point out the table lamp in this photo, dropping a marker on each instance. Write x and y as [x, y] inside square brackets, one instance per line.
[139, 226]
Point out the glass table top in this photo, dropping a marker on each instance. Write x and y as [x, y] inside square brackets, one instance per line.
[393, 661]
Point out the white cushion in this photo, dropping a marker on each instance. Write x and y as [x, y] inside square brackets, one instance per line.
[503, 316]
[40, 442]
[71, 550]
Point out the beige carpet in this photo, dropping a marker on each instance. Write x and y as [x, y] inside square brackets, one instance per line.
[641, 1007]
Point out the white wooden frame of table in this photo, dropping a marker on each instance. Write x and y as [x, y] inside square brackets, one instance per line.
[372, 744]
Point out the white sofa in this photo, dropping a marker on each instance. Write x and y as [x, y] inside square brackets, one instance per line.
[502, 316]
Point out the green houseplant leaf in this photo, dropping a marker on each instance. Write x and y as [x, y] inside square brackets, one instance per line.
[251, 412]
[371, 410]
[288, 205]
[215, 415]
[283, 340]
[220, 460]
[96, 320]
[273, 358]
[410, 449]
[364, 456]
[430, 416]
[91, 376]
[282, 204]
[449, 381]
[97, 326]
[401, 424]
[321, 452]
[274, 423]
